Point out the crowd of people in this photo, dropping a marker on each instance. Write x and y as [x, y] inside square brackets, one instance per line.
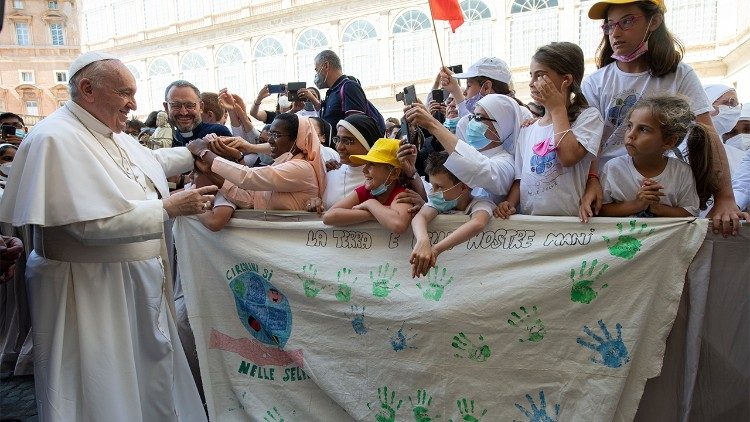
[639, 137]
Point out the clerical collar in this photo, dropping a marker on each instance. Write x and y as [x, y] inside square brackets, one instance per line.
[186, 134]
[87, 119]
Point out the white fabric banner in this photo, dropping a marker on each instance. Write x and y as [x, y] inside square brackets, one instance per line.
[535, 319]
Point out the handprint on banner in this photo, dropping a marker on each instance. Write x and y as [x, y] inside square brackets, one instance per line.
[381, 284]
[467, 412]
[477, 351]
[581, 290]
[421, 407]
[358, 320]
[436, 284]
[399, 340]
[344, 293]
[388, 407]
[310, 283]
[612, 351]
[627, 245]
[538, 413]
[530, 324]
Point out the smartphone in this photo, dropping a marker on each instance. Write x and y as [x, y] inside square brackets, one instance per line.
[293, 87]
[276, 89]
[457, 68]
[8, 130]
[438, 95]
[408, 96]
[309, 106]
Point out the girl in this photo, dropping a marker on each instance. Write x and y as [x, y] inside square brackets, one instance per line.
[553, 154]
[646, 183]
[323, 130]
[375, 199]
[639, 56]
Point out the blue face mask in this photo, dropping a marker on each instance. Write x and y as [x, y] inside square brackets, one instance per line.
[451, 123]
[21, 133]
[472, 101]
[382, 188]
[438, 201]
[475, 134]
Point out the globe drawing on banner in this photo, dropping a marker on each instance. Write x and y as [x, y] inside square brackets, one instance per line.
[262, 308]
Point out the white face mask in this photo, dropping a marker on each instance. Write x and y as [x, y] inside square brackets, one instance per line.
[284, 102]
[726, 119]
[741, 141]
[5, 168]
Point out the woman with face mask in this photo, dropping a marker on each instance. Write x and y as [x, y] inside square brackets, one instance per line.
[739, 136]
[478, 159]
[7, 152]
[375, 199]
[640, 57]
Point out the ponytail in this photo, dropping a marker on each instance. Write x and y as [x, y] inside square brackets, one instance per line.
[701, 161]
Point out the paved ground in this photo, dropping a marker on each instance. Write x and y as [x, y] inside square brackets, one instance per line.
[17, 401]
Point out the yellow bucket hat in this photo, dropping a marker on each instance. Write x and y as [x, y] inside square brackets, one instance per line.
[599, 9]
[383, 151]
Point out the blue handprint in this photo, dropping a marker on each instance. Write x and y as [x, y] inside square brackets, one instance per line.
[358, 320]
[399, 340]
[538, 414]
[613, 351]
[616, 114]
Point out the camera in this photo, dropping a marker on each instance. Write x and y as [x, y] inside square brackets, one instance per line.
[8, 130]
[408, 96]
[292, 88]
[276, 89]
[458, 68]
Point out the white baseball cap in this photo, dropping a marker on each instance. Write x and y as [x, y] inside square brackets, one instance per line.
[745, 113]
[86, 59]
[488, 67]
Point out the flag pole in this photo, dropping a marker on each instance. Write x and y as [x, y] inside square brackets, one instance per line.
[434, 31]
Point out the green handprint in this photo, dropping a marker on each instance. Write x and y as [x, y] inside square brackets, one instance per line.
[381, 285]
[581, 291]
[309, 282]
[273, 417]
[344, 293]
[627, 245]
[467, 411]
[421, 407]
[531, 324]
[435, 288]
[470, 350]
[387, 413]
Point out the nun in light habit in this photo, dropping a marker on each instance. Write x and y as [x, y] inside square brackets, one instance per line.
[105, 343]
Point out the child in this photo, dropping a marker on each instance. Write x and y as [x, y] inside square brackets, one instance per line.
[375, 199]
[448, 195]
[646, 183]
[323, 130]
[553, 154]
[217, 217]
[638, 57]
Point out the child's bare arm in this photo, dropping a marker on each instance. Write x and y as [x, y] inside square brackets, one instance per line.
[466, 231]
[216, 218]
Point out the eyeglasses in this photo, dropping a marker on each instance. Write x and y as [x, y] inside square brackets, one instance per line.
[188, 106]
[344, 141]
[273, 136]
[482, 118]
[625, 24]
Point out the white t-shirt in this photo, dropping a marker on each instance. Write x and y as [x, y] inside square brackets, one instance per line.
[221, 201]
[548, 188]
[614, 92]
[621, 181]
[341, 182]
[741, 182]
[478, 203]
[329, 153]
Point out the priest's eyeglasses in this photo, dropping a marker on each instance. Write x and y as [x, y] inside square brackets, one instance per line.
[188, 106]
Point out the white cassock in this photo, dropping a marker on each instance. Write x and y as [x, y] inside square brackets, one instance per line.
[106, 345]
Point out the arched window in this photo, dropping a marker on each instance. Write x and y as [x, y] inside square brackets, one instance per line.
[230, 70]
[269, 62]
[159, 76]
[533, 23]
[309, 44]
[473, 39]
[692, 21]
[141, 93]
[413, 52]
[360, 51]
[194, 70]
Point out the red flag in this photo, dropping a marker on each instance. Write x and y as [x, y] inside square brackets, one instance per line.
[447, 10]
